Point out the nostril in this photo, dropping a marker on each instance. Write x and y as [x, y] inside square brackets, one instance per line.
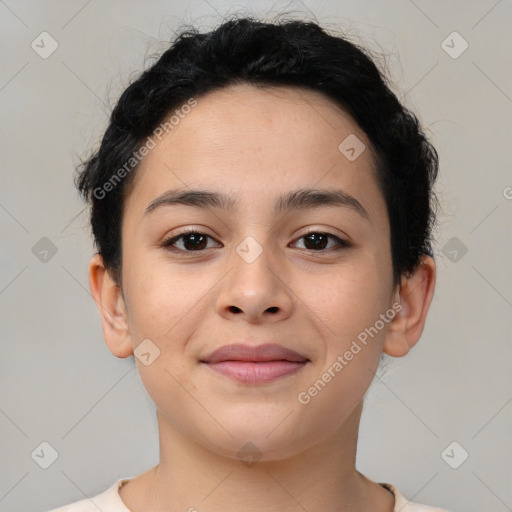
[234, 309]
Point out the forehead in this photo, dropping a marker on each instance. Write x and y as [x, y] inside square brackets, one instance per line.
[253, 142]
[272, 117]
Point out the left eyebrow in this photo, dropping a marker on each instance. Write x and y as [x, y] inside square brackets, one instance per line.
[294, 200]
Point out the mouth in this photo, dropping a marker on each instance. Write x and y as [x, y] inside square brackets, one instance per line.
[256, 364]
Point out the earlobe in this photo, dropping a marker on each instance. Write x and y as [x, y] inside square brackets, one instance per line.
[108, 297]
[415, 296]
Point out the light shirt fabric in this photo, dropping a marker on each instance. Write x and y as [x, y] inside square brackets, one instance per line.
[110, 501]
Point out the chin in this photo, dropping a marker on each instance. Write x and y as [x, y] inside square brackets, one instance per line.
[255, 438]
[250, 449]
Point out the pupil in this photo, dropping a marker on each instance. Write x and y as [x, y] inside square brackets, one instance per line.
[316, 243]
[195, 237]
[317, 240]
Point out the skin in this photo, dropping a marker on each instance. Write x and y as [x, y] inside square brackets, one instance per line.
[256, 144]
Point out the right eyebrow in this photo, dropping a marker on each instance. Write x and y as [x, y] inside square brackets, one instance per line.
[294, 200]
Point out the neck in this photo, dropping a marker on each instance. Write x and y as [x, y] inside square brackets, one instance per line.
[323, 477]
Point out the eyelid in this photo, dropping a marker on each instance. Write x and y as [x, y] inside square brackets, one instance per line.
[166, 243]
[325, 231]
[342, 242]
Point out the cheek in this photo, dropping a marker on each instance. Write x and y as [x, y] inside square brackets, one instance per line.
[348, 311]
[166, 302]
[352, 298]
[349, 304]
[159, 301]
[164, 308]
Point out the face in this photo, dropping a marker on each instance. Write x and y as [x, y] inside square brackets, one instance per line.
[309, 275]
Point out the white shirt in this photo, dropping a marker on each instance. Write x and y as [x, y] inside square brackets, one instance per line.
[110, 501]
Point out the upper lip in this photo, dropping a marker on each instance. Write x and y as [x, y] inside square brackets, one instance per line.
[243, 352]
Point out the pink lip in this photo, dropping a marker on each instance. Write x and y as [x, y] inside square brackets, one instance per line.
[248, 363]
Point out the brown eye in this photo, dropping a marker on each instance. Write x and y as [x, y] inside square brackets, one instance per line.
[195, 241]
[317, 241]
[190, 241]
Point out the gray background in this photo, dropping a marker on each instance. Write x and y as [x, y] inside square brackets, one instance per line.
[59, 382]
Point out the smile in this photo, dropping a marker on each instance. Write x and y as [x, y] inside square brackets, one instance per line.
[256, 364]
[256, 371]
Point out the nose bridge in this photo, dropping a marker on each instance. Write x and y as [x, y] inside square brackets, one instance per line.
[253, 262]
[254, 285]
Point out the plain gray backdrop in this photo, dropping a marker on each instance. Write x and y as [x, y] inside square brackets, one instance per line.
[59, 383]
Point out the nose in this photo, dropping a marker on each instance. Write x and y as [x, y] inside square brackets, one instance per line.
[255, 290]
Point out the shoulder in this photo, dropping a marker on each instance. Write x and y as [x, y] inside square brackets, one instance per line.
[404, 505]
[107, 501]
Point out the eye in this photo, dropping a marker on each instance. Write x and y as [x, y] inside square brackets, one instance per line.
[317, 240]
[193, 241]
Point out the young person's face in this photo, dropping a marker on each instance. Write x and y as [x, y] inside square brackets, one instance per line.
[255, 277]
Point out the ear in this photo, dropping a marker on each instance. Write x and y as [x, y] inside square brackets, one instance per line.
[109, 299]
[414, 296]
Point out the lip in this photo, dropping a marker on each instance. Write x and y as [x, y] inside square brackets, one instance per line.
[250, 363]
[253, 353]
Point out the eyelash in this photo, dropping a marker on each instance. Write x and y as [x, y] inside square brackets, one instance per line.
[169, 242]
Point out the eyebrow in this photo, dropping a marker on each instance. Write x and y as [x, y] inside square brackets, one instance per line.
[300, 199]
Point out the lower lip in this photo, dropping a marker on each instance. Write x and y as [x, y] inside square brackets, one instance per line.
[252, 371]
